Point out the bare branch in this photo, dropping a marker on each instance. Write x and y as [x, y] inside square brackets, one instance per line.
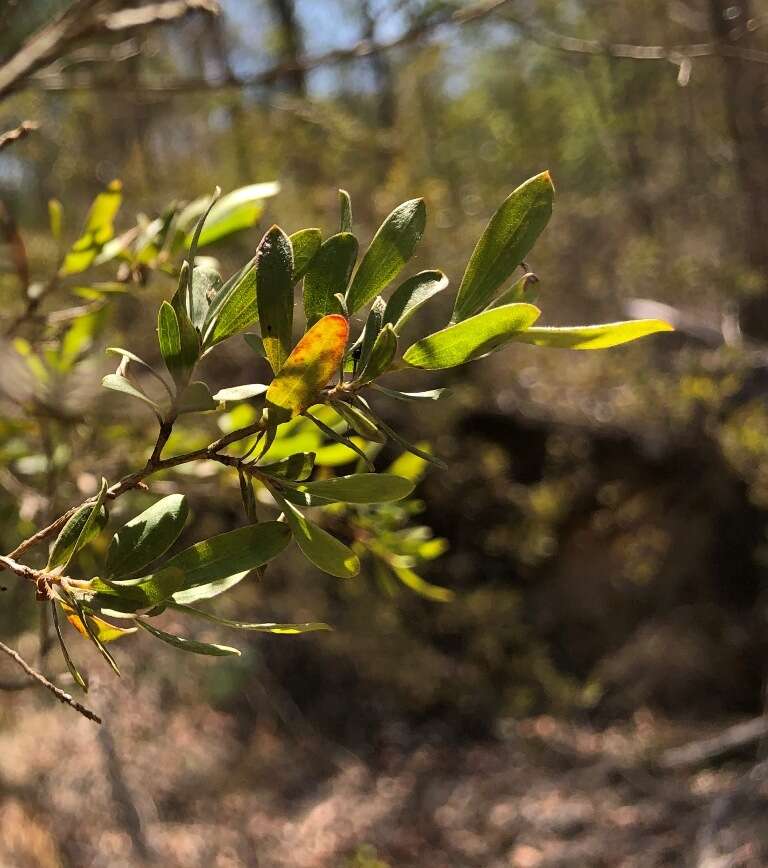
[21, 132]
[60, 694]
[84, 19]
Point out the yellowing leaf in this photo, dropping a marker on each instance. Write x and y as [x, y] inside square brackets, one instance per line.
[104, 631]
[310, 366]
[593, 337]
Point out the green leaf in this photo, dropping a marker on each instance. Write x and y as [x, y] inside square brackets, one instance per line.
[506, 241]
[147, 536]
[322, 456]
[188, 644]
[55, 218]
[120, 384]
[179, 347]
[297, 467]
[280, 629]
[234, 311]
[593, 337]
[79, 678]
[318, 546]
[98, 230]
[311, 364]
[425, 589]
[240, 393]
[94, 626]
[360, 488]
[206, 282]
[522, 290]
[71, 537]
[406, 444]
[224, 555]
[256, 344]
[134, 594]
[132, 357]
[411, 295]
[471, 338]
[328, 274]
[274, 295]
[359, 422]
[305, 244]
[195, 398]
[371, 331]
[209, 590]
[383, 352]
[390, 250]
[428, 395]
[240, 209]
[345, 211]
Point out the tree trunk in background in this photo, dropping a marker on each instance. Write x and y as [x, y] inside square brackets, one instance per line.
[291, 44]
[745, 91]
[382, 72]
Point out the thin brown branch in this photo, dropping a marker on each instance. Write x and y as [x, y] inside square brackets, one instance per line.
[83, 20]
[15, 135]
[60, 694]
[363, 49]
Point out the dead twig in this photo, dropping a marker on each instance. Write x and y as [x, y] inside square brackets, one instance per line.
[15, 135]
[698, 752]
[61, 695]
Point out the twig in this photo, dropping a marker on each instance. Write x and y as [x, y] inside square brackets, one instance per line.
[730, 739]
[21, 132]
[61, 695]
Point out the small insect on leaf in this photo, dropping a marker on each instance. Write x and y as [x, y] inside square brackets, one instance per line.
[311, 364]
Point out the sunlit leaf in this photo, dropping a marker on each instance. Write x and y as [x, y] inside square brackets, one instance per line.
[471, 338]
[311, 364]
[328, 274]
[279, 629]
[425, 589]
[240, 393]
[428, 395]
[103, 630]
[411, 295]
[359, 422]
[305, 244]
[360, 488]
[190, 645]
[381, 356]
[390, 250]
[506, 241]
[233, 309]
[240, 209]
[345, 211]
[71, 538]
[297, 467]
[120, 384]
[98, 230]
[147, 536]
[524, 289]
[593, 337]
[318, 546]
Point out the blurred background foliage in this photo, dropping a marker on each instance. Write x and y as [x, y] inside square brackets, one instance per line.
[606, 513]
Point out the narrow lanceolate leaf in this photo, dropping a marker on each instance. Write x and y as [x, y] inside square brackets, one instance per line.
[240, 393]
[395, 437]
[305, 244]
[120, 384]
[340, 440]
[177, 357]
[309, 367]
[190, 645]
[345, 211]
[381, 355]
[318, 546]
[360, 488]
[428, 395]
[274, 295]
[238, 210]
[471, 338]
[422, 587]
[146, 537]
[233, 311]
[411, 295]
[128, 356]
[103, 630]
[359, 422]
[78, 677]
[98, 230]
[524, 289]
[224, 555]
[390, 250]
[593, 337]
[135, 594]
[195, 398]
[327, 275]
[71, 536]
[205, 284]
[506, 241]
[297, 467]
[280, 629]
[373, 324]
[209, 590]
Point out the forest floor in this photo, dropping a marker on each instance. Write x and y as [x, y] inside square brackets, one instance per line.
[191, 786]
